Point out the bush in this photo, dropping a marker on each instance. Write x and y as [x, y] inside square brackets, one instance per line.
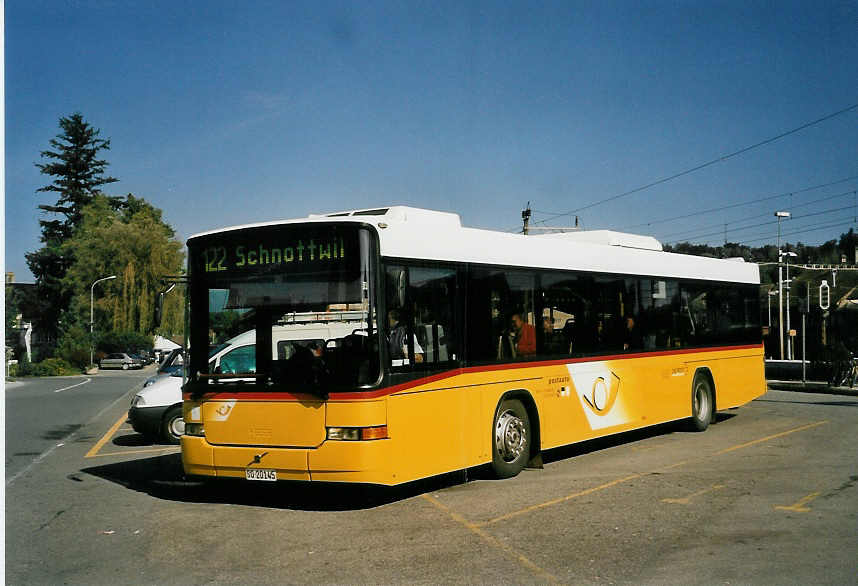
[48, 367]
[74, 347]
[59, 367]
[23, 367]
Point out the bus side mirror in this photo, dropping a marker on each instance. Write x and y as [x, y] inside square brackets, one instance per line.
[159, 310]
[158, 313]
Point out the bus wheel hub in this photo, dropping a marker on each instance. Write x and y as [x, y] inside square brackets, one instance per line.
[510, 436]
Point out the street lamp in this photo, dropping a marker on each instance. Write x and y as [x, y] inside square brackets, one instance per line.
[787, 255]
[770, 295]
[780, 215]
[91, 313]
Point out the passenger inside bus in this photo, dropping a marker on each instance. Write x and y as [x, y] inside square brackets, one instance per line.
[523, 335]
[632, 339]
[397, 344]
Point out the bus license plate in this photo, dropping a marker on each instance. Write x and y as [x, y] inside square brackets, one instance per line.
[260, 474]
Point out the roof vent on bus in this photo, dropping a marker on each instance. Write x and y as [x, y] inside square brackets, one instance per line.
[378, 212]
[395, 215]
[607, 238]
[369, 212]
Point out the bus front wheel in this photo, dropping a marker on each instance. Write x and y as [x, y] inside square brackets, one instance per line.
[511, 439]
[173, 425]
[702, 403]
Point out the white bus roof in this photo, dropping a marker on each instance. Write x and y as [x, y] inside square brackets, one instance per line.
[407, 232]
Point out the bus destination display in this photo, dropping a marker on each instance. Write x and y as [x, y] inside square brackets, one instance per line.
[311, 252]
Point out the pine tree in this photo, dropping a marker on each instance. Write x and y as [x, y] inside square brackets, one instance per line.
[78, 174]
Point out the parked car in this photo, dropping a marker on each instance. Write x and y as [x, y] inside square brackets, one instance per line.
[120, 360]
[144, 359]
[173, 363]
[156, 411]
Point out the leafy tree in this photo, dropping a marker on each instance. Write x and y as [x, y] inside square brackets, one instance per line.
[849, 245]
[228, 323]
[11, 322]
[124, 342]
[11, 309]
[136, 245]
[77, 174]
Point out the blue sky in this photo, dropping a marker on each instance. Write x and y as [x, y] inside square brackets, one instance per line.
[224, 113]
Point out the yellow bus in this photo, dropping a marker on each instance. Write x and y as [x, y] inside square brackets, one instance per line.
[466, 347]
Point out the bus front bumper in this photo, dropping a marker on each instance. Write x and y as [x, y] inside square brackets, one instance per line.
[333, 461]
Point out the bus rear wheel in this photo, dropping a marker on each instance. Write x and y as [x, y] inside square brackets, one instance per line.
[511, 439]
[702, 404]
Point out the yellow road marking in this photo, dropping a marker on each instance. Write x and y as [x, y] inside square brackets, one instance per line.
[148, 451]
[799, 506]
[675, 465]
[106, 437]
[485, 536]
[687, 500]
[557, 501]
[771, 437]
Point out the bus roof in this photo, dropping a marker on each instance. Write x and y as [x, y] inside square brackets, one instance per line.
[408, 232]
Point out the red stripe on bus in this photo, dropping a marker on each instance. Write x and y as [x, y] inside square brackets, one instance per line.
[392, 390]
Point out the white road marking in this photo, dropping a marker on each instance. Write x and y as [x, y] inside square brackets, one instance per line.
[73, 386]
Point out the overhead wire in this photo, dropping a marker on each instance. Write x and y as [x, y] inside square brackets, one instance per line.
[812, 228]
[740, 204]
[693, 232]
[707, 163]
[771, 222]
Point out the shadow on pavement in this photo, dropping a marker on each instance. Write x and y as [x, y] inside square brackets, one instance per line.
[162, 477]
[135, 440]
[844, 403]
[602, 443]
[61, 432]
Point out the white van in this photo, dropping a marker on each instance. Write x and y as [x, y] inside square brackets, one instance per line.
[156, 410]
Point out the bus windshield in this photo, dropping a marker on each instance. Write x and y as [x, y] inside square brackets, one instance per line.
[292, 303]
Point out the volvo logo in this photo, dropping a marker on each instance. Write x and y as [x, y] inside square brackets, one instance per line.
[257, 458]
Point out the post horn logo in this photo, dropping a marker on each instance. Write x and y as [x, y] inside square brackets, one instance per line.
[602, 396]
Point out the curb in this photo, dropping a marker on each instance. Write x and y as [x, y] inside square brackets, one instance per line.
[811, 387]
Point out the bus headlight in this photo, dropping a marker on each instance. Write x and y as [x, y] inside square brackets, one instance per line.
[357, 433]
[137, 401]
[195, 429]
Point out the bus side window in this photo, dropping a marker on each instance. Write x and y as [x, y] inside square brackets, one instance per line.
[567, 326]
[421, 301]
[432, 293]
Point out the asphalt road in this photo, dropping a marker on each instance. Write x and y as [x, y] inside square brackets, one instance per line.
[42, 413]
[768, 495]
